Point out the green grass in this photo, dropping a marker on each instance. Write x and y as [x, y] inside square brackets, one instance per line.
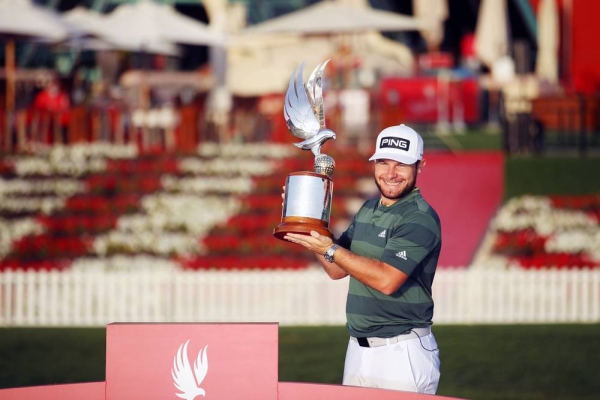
[470, 140]
[493, 362]
[544, 175]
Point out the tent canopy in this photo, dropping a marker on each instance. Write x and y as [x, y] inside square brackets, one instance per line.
[329, 17]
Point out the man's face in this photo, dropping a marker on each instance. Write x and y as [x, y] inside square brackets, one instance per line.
[395, 179]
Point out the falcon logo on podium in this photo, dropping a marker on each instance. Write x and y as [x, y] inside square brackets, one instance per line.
[307, 201]
[186, 379]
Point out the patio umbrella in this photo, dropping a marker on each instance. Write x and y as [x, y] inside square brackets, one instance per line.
[491, 33]
[436, 12]
[20, 19]
[93, 31]
[146, 23]
[337, 20]
[546, 66]
[330, 17]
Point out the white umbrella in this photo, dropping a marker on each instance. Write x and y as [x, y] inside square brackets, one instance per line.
[93, 31]
[147, 23]
[491, 33]
[329, 17]
[547, 58]
[82, 21]
[436, 12]
[21, 19]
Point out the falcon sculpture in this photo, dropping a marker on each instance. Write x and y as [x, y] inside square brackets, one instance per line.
[304, 110]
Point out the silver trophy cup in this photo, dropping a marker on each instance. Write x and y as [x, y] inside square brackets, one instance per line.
[307, 201]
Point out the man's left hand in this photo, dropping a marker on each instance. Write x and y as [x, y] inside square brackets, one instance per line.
[314, 242]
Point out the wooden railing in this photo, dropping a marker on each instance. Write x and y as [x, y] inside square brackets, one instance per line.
[568, 113]
[174, 129]
[160, 128]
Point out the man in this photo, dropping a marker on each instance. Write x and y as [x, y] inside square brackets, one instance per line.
[53, 104]
[390, 251]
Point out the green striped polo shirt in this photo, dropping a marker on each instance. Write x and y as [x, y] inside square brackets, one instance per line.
[406, 235]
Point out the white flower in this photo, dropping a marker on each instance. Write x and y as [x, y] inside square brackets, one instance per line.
[366, 186]
[223, 166]
[537, 213]
[246, 150]
[574, 241]
[170, 224]
[353, 204]
[120, 262]
[19, 205]
[207, 184]
[568, 231]
[159, 243]
[13, 230]
[72, 160]
[64, 187]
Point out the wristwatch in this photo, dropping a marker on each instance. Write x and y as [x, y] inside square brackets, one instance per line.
[329, 253]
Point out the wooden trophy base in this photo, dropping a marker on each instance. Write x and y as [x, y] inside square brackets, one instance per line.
[301, 225]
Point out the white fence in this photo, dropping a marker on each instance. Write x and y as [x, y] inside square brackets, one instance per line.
[305, 297]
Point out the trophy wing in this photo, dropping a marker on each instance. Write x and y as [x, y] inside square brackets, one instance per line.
[314, 89]
[298, 110]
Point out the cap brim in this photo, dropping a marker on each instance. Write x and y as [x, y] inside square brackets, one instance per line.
[394, 156]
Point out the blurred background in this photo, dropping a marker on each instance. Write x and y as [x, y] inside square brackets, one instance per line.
[143, 149]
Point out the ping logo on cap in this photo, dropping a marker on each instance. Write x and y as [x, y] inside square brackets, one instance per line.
[394, 143]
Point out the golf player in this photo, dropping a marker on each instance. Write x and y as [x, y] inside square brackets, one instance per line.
[390, 251]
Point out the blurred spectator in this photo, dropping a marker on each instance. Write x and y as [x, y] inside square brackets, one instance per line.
[53, 103]
[469, 59]
[54, 99]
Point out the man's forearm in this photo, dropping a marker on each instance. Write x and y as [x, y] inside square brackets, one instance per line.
[332, 269]
[373, 273]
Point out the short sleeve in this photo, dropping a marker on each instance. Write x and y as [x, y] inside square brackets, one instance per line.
[345, 240]
[414, 240]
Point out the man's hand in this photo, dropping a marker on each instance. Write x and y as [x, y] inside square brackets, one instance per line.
[316, 242]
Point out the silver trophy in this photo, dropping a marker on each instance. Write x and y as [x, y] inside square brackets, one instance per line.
[307, 202]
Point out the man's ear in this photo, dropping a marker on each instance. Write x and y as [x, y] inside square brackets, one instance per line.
[421, 165]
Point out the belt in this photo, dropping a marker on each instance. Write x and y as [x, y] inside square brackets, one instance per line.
[377, 341]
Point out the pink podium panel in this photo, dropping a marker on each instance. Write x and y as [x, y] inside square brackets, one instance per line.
[75, 391]
[191, 361]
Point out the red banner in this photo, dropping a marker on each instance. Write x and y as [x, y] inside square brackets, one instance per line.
[429, 100]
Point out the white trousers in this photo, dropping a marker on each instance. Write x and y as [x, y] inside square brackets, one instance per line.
[411, 365]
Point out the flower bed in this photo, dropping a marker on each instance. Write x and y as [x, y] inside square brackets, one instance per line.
[343, 184]
[102, 207]
[263, 243]
[34, 265]
[79, 224]
[557, 231]
[244, 262]
[45, 247]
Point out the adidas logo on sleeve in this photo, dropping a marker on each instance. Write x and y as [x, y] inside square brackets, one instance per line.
[402, 254]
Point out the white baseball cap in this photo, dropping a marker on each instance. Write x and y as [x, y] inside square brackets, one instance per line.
[399, 143]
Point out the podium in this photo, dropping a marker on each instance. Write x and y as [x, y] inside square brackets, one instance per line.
[154, 361]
